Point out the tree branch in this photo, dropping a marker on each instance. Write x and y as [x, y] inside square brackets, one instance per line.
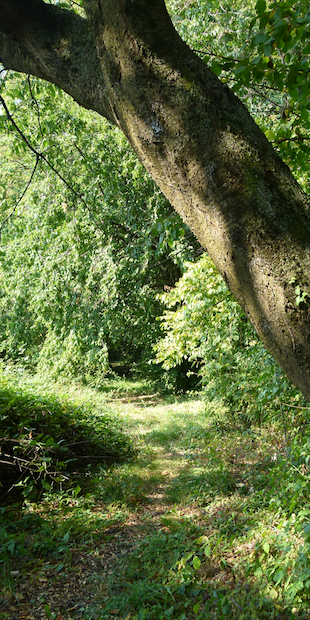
[36, 104]
[43, 158]
[56, 45]
[20, 198]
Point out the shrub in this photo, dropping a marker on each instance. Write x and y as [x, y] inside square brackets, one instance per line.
[204, 325]
[43, 439]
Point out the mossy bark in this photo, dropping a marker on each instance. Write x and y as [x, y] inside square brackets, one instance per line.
[200, 145]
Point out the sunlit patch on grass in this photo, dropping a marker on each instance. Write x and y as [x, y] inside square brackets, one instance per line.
[200, 524]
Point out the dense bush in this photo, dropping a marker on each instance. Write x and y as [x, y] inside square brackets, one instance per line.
[43, 439]
[82, 256]
[203, 324]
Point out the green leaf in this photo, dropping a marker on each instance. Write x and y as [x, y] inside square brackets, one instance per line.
[46, 485]
[241, 68]
[256, 60]
[47, 611]
[28, 490]
[268, 50]
[260, 7]
[207, 551]
[50, 442]
[196, 562]
[278, 576]
[273, 593]
[66, 537]
[266, 547]
[216, 68]
[260, 38]
[258, 573]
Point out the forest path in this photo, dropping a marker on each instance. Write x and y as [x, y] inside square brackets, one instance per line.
[135, 542]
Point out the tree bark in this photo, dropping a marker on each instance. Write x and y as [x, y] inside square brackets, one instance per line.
[197, 140]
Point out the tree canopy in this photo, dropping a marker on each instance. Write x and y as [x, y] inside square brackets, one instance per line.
[129, 64]
[82, 261]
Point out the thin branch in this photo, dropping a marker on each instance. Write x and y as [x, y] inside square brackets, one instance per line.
[293, 139]
[171, 254]
[86, 159]
[21, 197]
[19, 131]
[36, 104]
[126, 229]
[260, 94]
[91, 457]
[298, 470]
[237, 60]
[43, 158]
[208, 53]
[295, 406]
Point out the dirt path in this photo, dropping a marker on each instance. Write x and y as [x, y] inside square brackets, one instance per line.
[133, 522]
[69, 589]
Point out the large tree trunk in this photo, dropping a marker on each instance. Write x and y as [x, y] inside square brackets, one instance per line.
[198, 142]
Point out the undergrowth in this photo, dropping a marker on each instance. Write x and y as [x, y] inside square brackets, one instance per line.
[209, 521]
[45, 439]
[234, 543]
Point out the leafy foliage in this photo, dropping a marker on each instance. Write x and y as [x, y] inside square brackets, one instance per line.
[42, 439]
[82, 255]
[262, 51]
[279, 60]
[204, 324]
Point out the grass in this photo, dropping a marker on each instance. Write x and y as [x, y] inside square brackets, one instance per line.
[46, 436]
[210, 520]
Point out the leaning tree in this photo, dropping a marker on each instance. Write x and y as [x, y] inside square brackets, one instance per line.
[125, 60]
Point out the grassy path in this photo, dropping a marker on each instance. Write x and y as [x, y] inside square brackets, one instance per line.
[198, 525]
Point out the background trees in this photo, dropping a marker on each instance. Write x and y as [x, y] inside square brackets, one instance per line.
[91, 257]
[93, 241]
[261, 50]
[82, 260]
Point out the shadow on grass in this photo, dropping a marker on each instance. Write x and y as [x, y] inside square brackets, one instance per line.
[175, 534]
[167, 575]
[162, 574]
[228, 491]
